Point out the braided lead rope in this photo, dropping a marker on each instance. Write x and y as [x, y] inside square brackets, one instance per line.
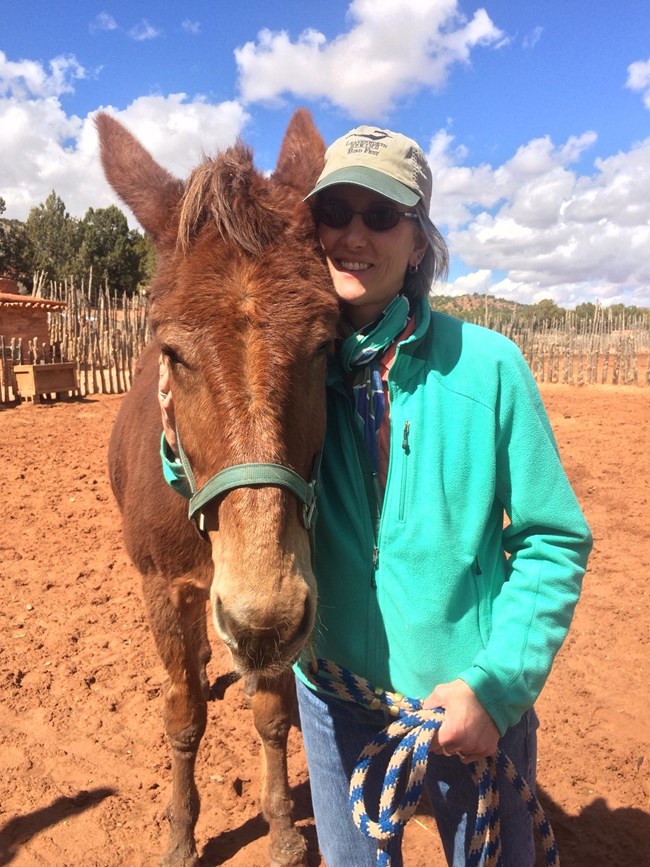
[410, 735]
[551, 854]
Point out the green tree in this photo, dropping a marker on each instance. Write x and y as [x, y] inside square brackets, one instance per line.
[15, 251]
[586, 310]
[146, 251]
[111, 249]
[548, 311]
[52, 235]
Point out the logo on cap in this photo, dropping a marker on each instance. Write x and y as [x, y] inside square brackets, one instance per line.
[373, 136]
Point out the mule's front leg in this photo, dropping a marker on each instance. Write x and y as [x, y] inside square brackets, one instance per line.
[273, 706]
[178, 622]
[185, 717]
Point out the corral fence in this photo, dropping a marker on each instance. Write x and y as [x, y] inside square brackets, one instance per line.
[103, 340]
[600, 350]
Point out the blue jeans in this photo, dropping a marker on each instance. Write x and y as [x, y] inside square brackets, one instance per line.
[334, 733]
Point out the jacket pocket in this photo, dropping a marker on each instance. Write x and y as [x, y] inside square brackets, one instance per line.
[482, 602]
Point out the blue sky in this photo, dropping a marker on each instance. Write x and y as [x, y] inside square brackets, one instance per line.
[535, 115]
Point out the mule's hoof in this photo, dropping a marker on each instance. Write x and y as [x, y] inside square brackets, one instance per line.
[180, 857]
[288, 849]
[179, 861]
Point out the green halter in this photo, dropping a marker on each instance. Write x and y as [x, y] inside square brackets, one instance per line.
[250, 476]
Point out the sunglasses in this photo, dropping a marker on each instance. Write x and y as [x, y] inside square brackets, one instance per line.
[377, 218]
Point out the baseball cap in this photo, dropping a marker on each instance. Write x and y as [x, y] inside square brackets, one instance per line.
[386, 162]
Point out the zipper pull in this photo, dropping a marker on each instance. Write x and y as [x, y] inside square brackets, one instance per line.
[375, 564]
[405, 436]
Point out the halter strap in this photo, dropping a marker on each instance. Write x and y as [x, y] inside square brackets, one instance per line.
[256, 475]
[247, 476]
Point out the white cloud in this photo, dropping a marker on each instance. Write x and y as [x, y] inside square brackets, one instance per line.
[25, 79]
[535, 226]
[42, 148]
[469, 284]
[191, 27]
[638, 78]
[179, 132]
[554, 232]
[531, 39]
[144, 31]
[103, 21]
[390, 51]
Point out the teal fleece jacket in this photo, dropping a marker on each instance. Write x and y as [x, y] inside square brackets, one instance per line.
[432, 584]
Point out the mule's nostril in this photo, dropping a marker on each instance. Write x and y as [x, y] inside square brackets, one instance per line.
[219, 612]
[304, 628]
[225, 625]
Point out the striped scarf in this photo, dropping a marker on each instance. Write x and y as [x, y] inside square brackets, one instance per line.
[359, 354]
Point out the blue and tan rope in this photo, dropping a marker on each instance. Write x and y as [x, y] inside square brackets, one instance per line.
[410, 735]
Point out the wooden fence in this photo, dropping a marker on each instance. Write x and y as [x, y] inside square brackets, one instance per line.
[602, 350]
[104, 342]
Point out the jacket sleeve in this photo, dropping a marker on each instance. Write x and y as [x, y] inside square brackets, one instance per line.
[173, 471]
[547, 543]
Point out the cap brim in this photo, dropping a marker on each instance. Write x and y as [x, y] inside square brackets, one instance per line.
[371, 179]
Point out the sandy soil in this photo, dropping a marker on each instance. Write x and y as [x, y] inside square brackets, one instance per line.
[84, 773]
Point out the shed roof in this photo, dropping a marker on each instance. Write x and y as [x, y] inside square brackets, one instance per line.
[9, 299]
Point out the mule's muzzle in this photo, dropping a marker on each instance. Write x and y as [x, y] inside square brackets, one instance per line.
[263, 645]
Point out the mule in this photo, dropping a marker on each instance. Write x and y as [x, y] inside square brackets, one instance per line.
[243, 314]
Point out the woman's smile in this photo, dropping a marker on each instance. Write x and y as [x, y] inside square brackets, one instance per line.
[368, 266]
[354, 266]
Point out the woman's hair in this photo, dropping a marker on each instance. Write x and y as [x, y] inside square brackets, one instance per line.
[435, 262]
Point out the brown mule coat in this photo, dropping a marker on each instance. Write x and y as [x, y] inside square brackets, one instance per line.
[243, 312]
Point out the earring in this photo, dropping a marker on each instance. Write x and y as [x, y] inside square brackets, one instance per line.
[413, 269]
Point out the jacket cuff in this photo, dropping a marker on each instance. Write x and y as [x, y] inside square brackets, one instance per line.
[173, 471]
[493, 696]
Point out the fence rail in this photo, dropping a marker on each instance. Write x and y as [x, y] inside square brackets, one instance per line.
[104, 341]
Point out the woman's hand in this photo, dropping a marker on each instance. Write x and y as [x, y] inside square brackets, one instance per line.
[467, 729]
[166, 401]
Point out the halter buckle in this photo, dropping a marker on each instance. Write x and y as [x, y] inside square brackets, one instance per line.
[309, 506]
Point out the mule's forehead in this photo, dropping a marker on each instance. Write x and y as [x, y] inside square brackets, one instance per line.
[238, 314]
[216, 284]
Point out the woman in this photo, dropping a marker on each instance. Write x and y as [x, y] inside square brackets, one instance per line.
[435, 431]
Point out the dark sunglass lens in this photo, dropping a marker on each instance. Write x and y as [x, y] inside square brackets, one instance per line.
[380, 218]
[334, 214]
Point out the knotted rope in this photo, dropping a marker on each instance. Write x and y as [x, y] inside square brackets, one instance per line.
[410, 735]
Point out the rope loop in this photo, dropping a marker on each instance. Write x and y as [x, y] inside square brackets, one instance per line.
[409, 735]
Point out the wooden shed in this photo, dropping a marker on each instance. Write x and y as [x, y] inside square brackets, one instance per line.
[24, 316]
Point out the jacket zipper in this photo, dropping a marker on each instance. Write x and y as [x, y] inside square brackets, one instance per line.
[402, 490]
[375, 529]
[375, 566]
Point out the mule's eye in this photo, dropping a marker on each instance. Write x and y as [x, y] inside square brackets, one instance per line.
[324, 348]
[172, 355]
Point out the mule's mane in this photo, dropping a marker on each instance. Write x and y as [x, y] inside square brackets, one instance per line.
[230, 193]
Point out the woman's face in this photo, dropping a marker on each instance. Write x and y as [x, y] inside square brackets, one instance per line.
[367, 266]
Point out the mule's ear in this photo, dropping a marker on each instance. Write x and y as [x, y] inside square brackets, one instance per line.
[146, 187]
[301, 156]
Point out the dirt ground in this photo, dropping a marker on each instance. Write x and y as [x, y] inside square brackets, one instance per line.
[84, 772]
